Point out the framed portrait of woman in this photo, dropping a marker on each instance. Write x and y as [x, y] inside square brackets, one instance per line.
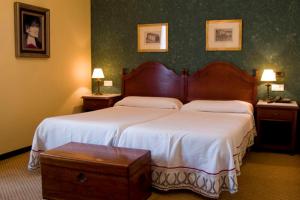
[32, 31]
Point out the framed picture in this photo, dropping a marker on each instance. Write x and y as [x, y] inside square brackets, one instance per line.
[31, 31]
[152, 37]
[224, 35]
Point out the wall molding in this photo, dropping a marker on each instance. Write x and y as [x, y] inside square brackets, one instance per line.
[14, 153]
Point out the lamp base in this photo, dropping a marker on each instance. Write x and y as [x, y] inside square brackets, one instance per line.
[268, 90]
[98, 89]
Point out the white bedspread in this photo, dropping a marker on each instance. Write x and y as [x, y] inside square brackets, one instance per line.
[201, 151]
[96, 127]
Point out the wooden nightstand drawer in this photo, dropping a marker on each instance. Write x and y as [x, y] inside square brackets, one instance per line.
[96, 102]
[275, 114]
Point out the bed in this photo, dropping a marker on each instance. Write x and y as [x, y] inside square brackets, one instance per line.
[193, 148]
[104, 126]
[201, 147]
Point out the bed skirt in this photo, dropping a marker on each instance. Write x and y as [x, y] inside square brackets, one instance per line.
[207, 184]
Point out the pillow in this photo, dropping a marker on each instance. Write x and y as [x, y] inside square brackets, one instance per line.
[234, 106]
[150, 102]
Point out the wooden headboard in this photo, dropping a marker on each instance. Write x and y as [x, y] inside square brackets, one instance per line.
[221, 81]
[153, 79]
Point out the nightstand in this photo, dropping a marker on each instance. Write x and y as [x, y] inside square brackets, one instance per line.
[276, 126]
[95, 102]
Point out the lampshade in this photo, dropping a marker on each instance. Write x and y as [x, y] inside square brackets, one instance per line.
[98, 73]
[268, 75]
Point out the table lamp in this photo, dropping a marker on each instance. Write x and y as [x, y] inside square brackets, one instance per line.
[268, 76]
[98, 74]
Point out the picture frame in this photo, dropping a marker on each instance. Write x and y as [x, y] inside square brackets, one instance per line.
[224, 35]
[152, 37]
[32, 31]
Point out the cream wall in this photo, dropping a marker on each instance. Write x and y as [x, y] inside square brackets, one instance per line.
[34, 88]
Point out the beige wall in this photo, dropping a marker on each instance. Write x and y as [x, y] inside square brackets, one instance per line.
[34, 88]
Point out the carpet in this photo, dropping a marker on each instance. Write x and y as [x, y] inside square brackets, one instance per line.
[266, 176]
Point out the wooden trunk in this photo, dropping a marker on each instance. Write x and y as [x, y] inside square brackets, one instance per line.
[85, 171]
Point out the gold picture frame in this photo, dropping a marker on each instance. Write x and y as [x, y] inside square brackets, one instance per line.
[32, 32]
[224, 35]
[152, 37]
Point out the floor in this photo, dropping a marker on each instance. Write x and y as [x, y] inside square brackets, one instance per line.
[267, 176]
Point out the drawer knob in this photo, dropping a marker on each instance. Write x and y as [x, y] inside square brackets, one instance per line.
[81, 177]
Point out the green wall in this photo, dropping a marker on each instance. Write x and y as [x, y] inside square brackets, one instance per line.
[271, 37]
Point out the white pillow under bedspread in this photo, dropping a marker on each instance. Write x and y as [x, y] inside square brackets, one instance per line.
[150, 102]
[234, 106]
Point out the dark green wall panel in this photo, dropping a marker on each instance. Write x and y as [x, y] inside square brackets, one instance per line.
[271, 31]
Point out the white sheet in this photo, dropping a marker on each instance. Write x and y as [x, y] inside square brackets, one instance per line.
[200, 151]
[96, 127]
